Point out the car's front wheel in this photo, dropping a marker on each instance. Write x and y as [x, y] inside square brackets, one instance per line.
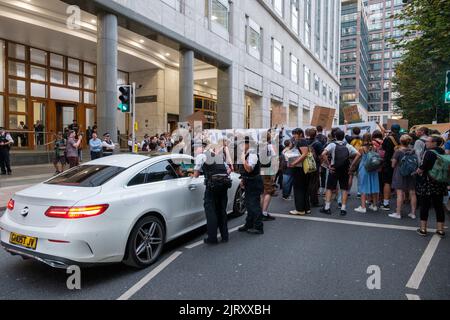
[239, 203]
[145, 242]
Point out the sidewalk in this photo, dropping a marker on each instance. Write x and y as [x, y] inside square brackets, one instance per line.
[22, 178]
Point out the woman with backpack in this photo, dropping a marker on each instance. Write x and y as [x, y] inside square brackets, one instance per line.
[405, 164]
[368, 184]
[430, 190]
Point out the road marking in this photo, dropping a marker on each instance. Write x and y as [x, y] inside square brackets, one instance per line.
[138, 286]
[38, 176]
[412, 297]
[349, 222]
[199, 243]
[422, 266]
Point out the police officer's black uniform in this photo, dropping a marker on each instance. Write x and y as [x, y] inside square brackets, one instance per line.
[254, 188]
[216, 200]
[5, 164]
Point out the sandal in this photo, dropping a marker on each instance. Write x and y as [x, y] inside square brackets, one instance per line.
[421, 232]
[440, 233]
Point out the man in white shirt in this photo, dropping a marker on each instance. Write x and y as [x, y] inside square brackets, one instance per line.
[269, 170]
[108, 145]
[340, 152]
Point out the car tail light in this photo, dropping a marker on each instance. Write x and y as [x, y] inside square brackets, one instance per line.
[10, 205]
[76, 212]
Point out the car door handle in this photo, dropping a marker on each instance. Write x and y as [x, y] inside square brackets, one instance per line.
[192, 187]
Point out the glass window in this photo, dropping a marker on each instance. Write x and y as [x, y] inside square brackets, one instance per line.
[316, 84]
[307, 78]
[86, 176]
[17, 87]
[73, 65]
[89, 69]
[308, 23]
[39, 112]
[277, 56]
[2, 111]
[254, 39]
[38, 73]
[278, 6]
[38, 56]
[59, 93]
[90, 117]
[89, 83]
[317, 29]
[324, 90]
[294, 16]
[17, 104]
[16, 69]
[56, 77]
[155, 173]
[89, 98]
[56, 61]
[73, 80]
[38, 90]
[16, 51]
[294, 69]
[15, 120]
[219, 13]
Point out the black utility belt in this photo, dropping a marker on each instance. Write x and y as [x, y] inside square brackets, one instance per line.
[251, 178]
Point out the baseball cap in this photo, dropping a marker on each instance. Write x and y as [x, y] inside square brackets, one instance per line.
[396, 127]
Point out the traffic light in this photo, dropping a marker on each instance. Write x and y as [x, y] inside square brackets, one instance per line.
[125, 99]
[447, 87]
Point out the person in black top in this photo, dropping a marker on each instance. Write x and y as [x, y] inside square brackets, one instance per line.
[320, 136]
[390, 143]
[431, 191]
[301, 180]
[252, 182]
[6, 142]
[314, 178]
[211, 163]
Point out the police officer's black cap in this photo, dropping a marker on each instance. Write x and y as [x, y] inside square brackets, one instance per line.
[296, 131]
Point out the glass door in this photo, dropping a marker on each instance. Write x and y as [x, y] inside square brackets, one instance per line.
[40, 125]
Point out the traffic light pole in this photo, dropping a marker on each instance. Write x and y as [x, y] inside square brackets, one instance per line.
[134, 118]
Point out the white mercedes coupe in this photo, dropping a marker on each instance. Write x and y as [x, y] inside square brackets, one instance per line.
[121, 208]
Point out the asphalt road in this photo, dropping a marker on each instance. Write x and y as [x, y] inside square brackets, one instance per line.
[317, 257]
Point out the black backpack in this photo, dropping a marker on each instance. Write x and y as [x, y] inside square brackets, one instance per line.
[341, 156]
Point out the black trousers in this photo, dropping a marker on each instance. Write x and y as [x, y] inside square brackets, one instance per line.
[314, 185]
[215, 204]
[253, 191]
[437, 202]
[5, 164]
[96, 155]
[301, 188]
[323, 177]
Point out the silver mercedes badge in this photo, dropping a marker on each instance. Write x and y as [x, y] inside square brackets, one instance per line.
[25, 211]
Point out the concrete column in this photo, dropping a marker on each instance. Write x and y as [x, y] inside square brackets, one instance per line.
[225, 98]
[186, 84]
[107, 74]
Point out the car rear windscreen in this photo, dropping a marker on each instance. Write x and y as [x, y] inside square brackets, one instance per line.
[86, 176]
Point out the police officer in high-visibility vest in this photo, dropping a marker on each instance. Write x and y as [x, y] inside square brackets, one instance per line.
[252, 182]
[211, 162]
[5, 145]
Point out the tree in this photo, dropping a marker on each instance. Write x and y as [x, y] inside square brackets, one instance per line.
[420, 76]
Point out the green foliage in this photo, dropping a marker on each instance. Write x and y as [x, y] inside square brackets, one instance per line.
[420, 76]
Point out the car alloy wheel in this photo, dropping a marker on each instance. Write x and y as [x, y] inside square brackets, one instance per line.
[146, 242]
[239, 203]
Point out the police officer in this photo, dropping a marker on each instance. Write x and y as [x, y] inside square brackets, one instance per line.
[210, 162]
[5, 145]
[107, 145]
[252, 182]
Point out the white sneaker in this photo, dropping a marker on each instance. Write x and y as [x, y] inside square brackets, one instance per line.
[412, 216]
[361, 210]
[373, 208]
[395, 216]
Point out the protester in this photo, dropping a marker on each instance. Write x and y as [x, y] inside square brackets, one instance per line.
[108, 146]
[320, 136]
[429, 190]
[60, 153]
[368, 184]
[6, 141]
[74, 127]
[301, 180]
[420, 144]
[314, 178]
[72, 149]
[268, 172]
[405, 163]
[377, 143]
[338, 170]
[390, 143]
[95, 146]
[287, 171]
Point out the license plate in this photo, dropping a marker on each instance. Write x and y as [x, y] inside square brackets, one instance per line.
[23, 241]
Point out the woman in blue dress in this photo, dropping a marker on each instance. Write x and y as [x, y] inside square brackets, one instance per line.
[368, 182]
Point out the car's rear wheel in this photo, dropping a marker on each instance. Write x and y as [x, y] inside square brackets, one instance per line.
[239, 203]
[145, 243]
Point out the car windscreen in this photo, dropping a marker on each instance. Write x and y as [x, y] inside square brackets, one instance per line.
[86, 176]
